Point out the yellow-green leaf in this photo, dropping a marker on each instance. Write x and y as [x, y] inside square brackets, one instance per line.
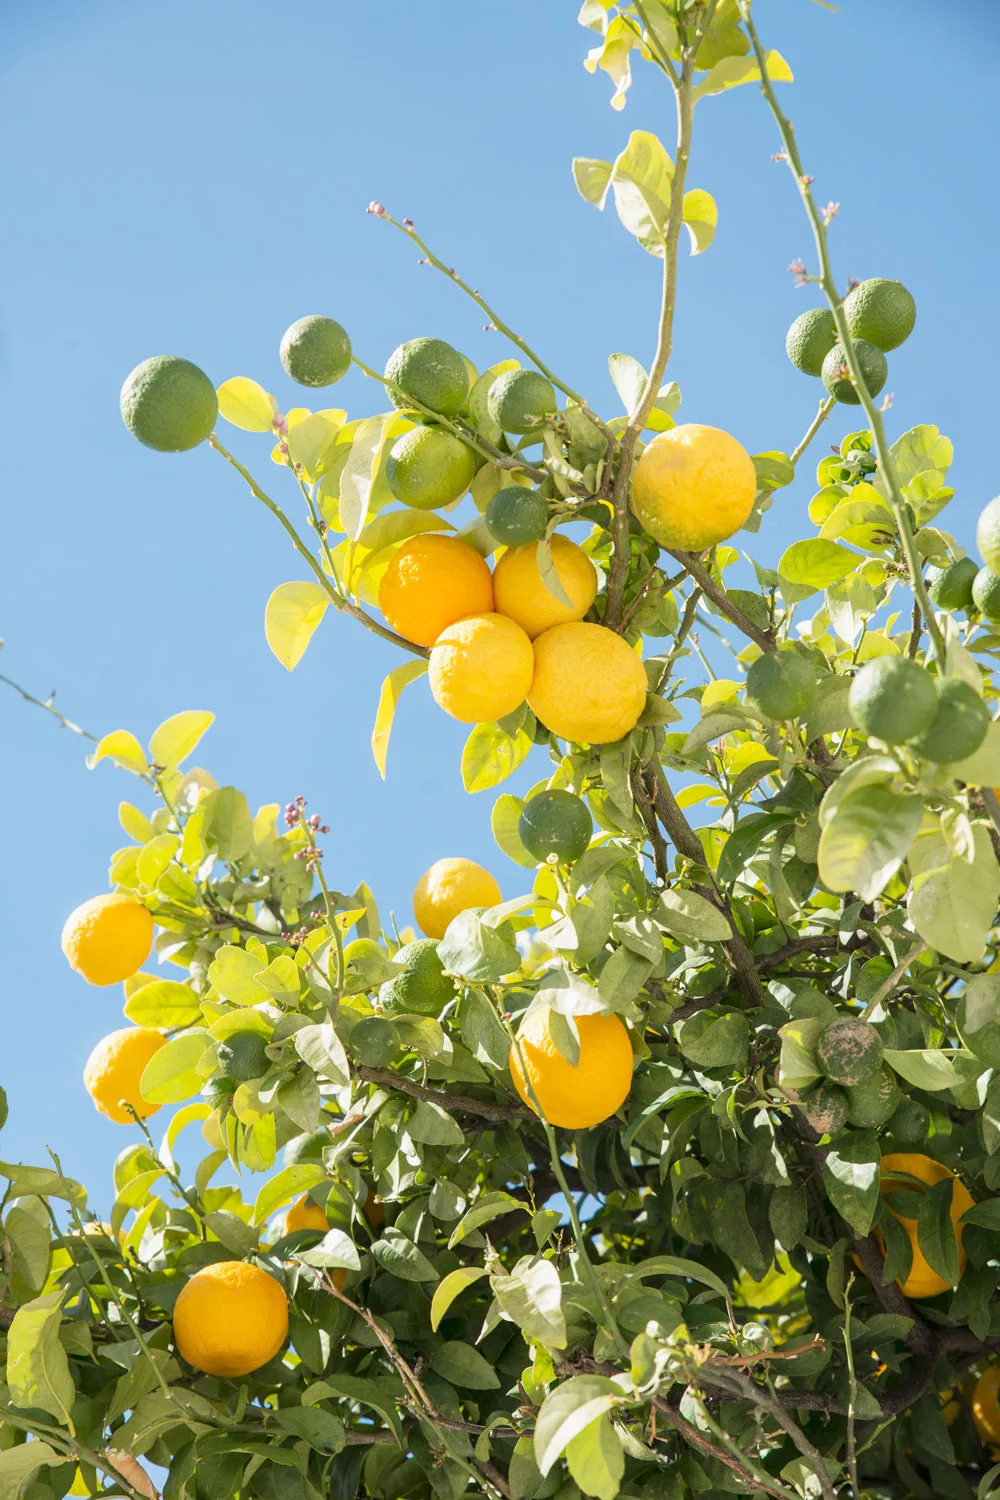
[122, 747]
[287, 1185]
[163, 1004]
[170, 1075]
[292, 614]
[701, 216]
[311, 442]
[816, 564]
[392, 687]
[246, 404]
[177, 736]
[37, 1368]
[731, 71]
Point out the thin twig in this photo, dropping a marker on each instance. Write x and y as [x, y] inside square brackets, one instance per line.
[442, 1097]
[691, 564]
[889, 984]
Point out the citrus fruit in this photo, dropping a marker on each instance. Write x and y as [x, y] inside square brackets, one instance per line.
[517, 515]
[365, 964]
[429, 467]
[951, 587]
[373, 1041]
[988, 534]
[781, 684]
[422, 988]
[922, 1281]
[837, 377]
[910, 1122]
[521, 400]
[305, 1214]
[108, 938]
[114, 1071]
[431, 372]
[893, 699]
[431, 582]
[825, 1108]
[374, 1210]
[986, 594]
[693, 486]
[589, 685]
[449, 887]
[960, 723]
[810, 339]
[315, 351]
[230, 1318]
[881, 311]
[873, 1102]
[849, 1051]
[306, 1147]
[243, 1056]
[985, 1404]
[481, 668]
[555, 824]
[521, 593]
[574, 1097]
[169, 404]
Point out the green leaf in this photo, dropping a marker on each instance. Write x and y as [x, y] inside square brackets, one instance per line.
[358, 473]
[691, 918]
[321, 1048]
[476, 951]
[716, 1041]
[121, 747]
[227, 824]
[715, 724]
[392, 687]
[27, 1181]
[867, 839]
[798, 1068]
[451, 1287]
[287, 1185]
[233, 974]
[567, 1410]
[28, 1236]
[983, 767]
[172, 1072]
[177, 736]
[431, 1125]
[504, 821]
[674, 1265]
[334, 1249]
[320, 1429]
[929, 1068]
[592, 178]
[744, 842]
[729, 72]
[37, 1367]
[851, 1178]
[531, 1296]
[291, 616]
[491, 755]
[701, 215]
[936, 1232]
[815, 564]
[921, 449]
[628, 378]
[400, 1257]
[353, 1388]
[952, 901]
[163, 1004]
[597, 1460]
[641, 178]
[489, 1206]
[725, 1203]
[18, 1464]
[232, 1231]
[464, 1366]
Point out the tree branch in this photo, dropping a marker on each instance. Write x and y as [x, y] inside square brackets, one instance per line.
[388, 1079]
[691, 564]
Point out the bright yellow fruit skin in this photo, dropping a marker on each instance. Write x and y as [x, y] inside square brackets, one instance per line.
[431, 582]
[922, 1280]
[693, 486]
[481, 668]
[588, 685]
[108, 938]
[574, 1097]
[985, 1405]
[114, 1070]
[448, 888]
[305, 1214]
[520, 593]
[230, 1318]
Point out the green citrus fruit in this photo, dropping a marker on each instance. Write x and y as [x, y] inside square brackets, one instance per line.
[242, 1056]
[306, 1147]
[849, 1051]
[521, 400]
[881, 311]
[988, 534]
[423, 988]
[825, 1108]
[870, 1104]
[431, 372]
[810, 339]
[986, 594]
[365, 965]
[315, 351]
[893, 699]
[910, 1122]
[951, 587]
[959, 726]
[555, 823]
[169, 404]
[781, 684]
[517, 515]
[373, 1041]
[836, 378]
[429, 467]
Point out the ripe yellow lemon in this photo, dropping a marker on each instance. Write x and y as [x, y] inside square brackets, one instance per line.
[449, 887]
[985, 1405]
[114, 1071]
[693, 486]
[230, 1318]
[431, 582]
[481, 668]
[588, 683]
[573, 1097]
[108, 938]
[520, 591]
[922, 1281]
[305, 1214]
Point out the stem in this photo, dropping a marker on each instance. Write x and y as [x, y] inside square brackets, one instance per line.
[889, 984]
[691, 564]
[197, 1208]
[825, 408]
[765, 1480]
[49, 708]
[852, 1386]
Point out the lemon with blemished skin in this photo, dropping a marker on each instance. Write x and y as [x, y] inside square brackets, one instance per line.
[881, 311]
[114, 1070]
[573, 1096]
[837, 377]
[108, 938]
[481, 668]
[431, 582]
[448, 888]
[694, 486]
[520, 591]
[588, 684]
[230, 1318]
[519, 401]
[432, 373]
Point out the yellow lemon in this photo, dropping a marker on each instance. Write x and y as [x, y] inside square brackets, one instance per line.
[431, 582]
[986, 1405]
[114, 1071]
[481, 668]
[922, 1281]
[588, 684]
[579, 1096]
[230, 1318]
[108, 938]
[693, 486]
[520, 591]
[305, 1214]
[449, 887]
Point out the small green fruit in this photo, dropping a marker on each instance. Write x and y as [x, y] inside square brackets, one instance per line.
[872, 1103]
[423, 988]
[810, 339]
[893, 699]
[169, 404]
[781, 685]
[517, 515]
[951, 587]
[986, 595]
[555, 824]
[520, 401]
[959, 726]
[837, 378]
[315, 351]
[825, 1108]
[431, 372]
[243, 1056]
[881, 311]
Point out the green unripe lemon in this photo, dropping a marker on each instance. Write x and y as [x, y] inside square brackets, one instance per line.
[315, 351]
[373, 1041]
[910, 1122]
[959, 726]
[849, 1051]
[242, 1056]
[423, 988]
[988, 534]
[555, 823]
[431, 372]
[881, 311]
[871, 1104]
[893, 699]
[365, 964]
[781, 684]
[429, 467]
[837, 379]
[810, 339]
[520, 400]
[306, 1147]
[825, 1108]
[986, 594]
[169, 404]
[951, 587]
[517, 515]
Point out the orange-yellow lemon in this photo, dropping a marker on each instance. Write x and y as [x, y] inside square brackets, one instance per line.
[305, 1214]
[579, 1096]
[588, 684]
[520, 592]
[449, 887]
[481, 668]
[693, 486]
[114, 1071]
[431, 582]
[922, 1281]
[230, 1318]
[108, 938]
[985, 1405]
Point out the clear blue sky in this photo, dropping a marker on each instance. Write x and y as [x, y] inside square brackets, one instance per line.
[189, 177]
